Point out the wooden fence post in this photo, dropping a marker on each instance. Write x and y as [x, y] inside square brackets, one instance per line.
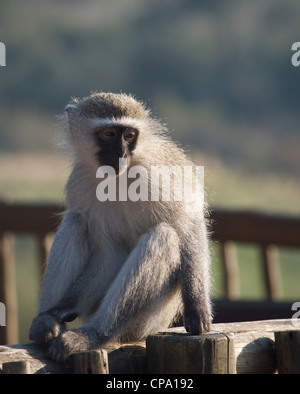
[16, 368]
[8, 294]
[91, 362]
[211, 353]
[231, 269]
[271, 270]
[287, 345]
[44, 245]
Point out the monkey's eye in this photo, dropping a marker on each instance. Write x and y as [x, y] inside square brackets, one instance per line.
[129, 135]
[107, 134]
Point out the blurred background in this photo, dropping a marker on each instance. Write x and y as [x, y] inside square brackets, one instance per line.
[218, 73]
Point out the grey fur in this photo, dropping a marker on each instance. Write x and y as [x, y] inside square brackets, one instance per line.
[128, 267]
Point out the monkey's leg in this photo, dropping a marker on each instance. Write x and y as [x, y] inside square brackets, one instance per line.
[78, 295]
[144, 281]
[81, 295]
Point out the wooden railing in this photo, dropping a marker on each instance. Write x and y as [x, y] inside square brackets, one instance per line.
[227, 228]
[266, 231]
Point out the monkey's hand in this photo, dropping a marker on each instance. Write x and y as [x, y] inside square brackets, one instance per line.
[45, 327]
[198, 321]
[74, 341]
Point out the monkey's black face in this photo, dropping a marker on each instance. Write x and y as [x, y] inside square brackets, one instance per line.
[116, 142]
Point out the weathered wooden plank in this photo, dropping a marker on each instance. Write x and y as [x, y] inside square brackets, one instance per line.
[255, 227]
[16, 368]
[94, 362]
[44, 242]
[128, 359]
[226, 311]
[261, 326]
[271, 271]
[211, 353]
[35, 355]
[8, 292]
[231, 269]
[29, 218]
[237, 225]
[122, 358]
[288, 351]
[254, 350]
[254, 343]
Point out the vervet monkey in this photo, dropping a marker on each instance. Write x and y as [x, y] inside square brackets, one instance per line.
[128, 267]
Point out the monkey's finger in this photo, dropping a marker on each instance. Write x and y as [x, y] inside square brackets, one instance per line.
[197, 323]
[55, 331]
[44, 328]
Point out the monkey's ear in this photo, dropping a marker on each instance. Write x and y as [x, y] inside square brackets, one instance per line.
[70, 108]
[71, 114]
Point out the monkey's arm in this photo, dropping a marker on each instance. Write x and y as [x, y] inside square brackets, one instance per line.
[195, 282]
[67, 259]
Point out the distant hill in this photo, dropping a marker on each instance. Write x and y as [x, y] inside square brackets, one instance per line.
[219, 73]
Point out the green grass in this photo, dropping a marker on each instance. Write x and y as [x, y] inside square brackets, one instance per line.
[35, 177]
[290, 270]
[41, 177]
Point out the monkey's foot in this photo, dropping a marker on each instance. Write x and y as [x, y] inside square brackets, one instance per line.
[74, 341]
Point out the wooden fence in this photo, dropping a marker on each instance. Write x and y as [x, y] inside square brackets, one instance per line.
[260, 347]
[227, 227]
